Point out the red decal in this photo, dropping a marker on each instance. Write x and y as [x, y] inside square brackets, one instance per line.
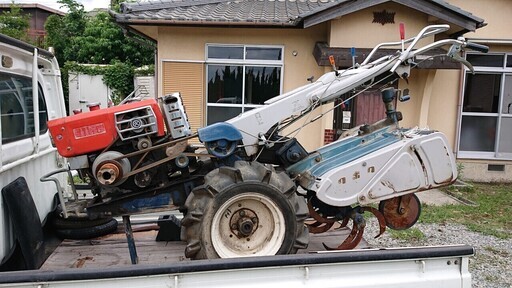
[88, 131]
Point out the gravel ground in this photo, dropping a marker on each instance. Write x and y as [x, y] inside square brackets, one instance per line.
[491, 267]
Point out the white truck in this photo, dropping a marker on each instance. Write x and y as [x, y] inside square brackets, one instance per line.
[33, 173]
[30, 95]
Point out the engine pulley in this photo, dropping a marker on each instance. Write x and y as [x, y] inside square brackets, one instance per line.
[221, 148]
[110, 172]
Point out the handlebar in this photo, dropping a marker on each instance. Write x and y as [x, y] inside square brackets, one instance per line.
[427, 31]
[457, 44]
[477, 47]
[432, 29]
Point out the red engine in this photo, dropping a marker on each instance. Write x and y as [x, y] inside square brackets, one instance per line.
[96, 130]
[101, 143]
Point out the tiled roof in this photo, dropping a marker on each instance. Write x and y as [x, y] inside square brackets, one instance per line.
[456, 9]
[33, 6]
[241, 12]
[257, 12]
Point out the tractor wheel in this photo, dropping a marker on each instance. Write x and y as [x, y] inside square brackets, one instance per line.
[245, 210]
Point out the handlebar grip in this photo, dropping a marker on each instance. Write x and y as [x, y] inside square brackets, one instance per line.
[477, 47]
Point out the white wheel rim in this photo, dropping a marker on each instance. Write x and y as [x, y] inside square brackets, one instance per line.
[266, 237]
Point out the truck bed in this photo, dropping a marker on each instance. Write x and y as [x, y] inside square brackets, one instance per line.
[112, 250]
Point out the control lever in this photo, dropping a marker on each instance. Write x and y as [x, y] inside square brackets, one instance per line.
[454, 54]
[333, 65]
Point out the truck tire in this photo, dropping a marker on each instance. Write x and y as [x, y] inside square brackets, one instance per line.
[245, 210]
[88, 232]
[77, 222]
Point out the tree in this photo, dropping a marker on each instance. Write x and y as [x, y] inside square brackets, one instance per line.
[81, 39]
[13, 23]
[95, 40]
[103, 42]
[61, 30]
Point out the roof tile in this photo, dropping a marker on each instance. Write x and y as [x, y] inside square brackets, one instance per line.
[253, 12]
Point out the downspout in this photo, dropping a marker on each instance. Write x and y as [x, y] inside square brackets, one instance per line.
[35, 102]
[459, 113]
[155, 77]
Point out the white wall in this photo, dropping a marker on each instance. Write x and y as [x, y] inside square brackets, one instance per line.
[85, 89]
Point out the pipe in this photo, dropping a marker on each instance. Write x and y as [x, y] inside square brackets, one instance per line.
[35, 101]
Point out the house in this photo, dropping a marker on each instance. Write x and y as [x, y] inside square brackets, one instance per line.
[38, 15]
[217, 52]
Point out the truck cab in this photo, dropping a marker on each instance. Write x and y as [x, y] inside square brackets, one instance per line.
[30, 95]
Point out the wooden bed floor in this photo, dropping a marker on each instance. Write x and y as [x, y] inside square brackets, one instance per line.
[112, 250]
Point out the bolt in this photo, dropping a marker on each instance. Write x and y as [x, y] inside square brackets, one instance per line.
[246, 227]
[364, 164]
[362, 198]
[234, 226]
[242, 213]
[449, 262]
[456, 262]
[318, 158]
[370, 194]
[254, 220]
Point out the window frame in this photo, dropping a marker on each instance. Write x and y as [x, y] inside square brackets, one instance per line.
[244, 63]
[42, 103]
[503, 71]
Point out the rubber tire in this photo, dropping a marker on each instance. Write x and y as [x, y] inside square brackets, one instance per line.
[77, 223]
[88, 232]
[223, 183]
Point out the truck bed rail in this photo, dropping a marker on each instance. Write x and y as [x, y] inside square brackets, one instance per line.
[437, 264]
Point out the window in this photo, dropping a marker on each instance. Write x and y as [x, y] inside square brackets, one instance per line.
[240, 78]
[16, 108]
[486, 124]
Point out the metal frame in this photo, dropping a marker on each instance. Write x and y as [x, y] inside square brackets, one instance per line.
[504, 71]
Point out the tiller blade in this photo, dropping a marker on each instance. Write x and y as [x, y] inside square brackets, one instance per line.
[356, 235]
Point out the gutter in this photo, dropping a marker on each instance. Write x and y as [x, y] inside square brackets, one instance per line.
[255, 24]
[491, 41]
[132, 33]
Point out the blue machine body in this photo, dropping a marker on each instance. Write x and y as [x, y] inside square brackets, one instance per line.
[219, 131]
[343, 151]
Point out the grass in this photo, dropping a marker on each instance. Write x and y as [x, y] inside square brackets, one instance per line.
[492, 214]
[410, 234]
